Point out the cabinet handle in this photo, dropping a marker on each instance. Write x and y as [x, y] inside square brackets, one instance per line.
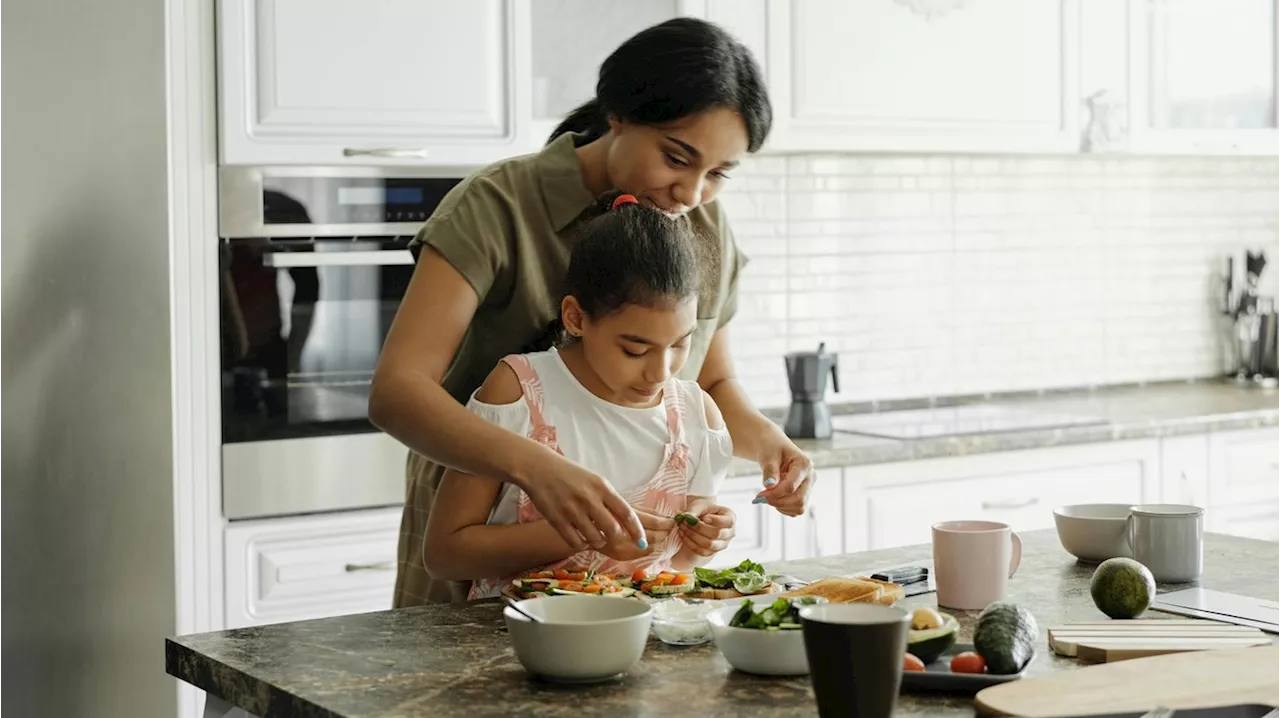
[1010, 504]
[384, 566]
[388, 152]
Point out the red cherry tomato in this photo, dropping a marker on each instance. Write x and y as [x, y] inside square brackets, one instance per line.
[968, 662]
[911, 663]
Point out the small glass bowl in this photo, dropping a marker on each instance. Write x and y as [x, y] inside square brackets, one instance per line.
[678, 622]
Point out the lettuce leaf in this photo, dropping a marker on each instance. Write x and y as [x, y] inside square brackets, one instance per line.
[746, 577]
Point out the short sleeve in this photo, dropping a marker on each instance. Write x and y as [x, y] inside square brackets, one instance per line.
[513, 417]
[472, 230]
[733, 261]
[713, 453]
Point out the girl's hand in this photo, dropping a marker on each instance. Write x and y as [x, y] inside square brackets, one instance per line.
[657, 529]
[788, 474]
[712, 533]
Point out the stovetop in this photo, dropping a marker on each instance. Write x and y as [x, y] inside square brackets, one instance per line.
[963, 420]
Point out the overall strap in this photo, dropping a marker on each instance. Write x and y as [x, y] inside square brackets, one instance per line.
[677, 403]
[530, 388]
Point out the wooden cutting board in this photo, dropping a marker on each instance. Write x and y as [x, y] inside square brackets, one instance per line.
[1107, 641]
[1181, 680]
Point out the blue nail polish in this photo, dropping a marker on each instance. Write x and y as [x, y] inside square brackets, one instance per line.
[759, 500]
[643, 544]
[770, 481]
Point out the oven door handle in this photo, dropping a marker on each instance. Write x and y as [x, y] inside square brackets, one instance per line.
[372, 258]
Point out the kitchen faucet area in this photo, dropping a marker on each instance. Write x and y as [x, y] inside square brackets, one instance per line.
[763, 358]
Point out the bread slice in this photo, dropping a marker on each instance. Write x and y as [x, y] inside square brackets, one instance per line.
[852, 589]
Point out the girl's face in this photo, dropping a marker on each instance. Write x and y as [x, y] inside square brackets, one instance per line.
[677, 166]
[632, 352]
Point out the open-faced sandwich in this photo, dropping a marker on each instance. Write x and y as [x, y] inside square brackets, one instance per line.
[533, 584]
[746, 579]
[662, 584]
[852, 589]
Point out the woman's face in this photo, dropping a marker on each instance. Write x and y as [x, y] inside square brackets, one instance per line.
[632, 352]
[677, 166]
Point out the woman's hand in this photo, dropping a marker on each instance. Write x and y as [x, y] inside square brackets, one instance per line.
[712, 533]
[787, 472]
[657, 529]
[582, 507]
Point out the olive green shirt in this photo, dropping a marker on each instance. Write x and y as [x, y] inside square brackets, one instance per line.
[508, 230]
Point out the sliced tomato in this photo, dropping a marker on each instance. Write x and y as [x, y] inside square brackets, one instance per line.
[639, 576]
[571, 585]
[681, 579]
[646, 586]
[539, 586]
[562, 574]
[545, 574]
[593, 588]
[662, 579]
[911, 663]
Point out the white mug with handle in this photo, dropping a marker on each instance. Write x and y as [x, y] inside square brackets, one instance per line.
[973, 562]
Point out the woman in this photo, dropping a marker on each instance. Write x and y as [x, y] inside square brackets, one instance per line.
[677, 106]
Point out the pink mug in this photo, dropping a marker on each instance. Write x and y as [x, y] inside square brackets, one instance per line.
[973, 562]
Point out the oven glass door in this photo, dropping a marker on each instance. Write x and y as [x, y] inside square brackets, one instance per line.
[303, 322]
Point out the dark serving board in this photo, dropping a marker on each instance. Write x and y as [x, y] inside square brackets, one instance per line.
[937, 676]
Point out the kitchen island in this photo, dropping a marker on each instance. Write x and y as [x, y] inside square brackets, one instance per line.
[445, 660]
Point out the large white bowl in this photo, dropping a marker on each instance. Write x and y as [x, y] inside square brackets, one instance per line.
[1093, 532]
[581, 639]
[752, 650]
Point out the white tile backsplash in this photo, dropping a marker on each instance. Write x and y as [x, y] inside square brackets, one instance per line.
[934, 276]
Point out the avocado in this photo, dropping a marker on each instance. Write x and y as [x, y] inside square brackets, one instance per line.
[1005, 637]
[929, 643]
[1122, 588]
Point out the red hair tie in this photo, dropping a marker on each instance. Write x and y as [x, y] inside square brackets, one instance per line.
[624, 199]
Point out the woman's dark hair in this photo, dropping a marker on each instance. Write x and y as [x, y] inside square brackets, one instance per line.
[673, 70]
[632, 255]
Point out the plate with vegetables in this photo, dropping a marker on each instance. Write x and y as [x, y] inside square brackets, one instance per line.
[1003, 646]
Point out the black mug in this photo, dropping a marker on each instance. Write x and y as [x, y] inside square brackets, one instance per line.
[855, 653]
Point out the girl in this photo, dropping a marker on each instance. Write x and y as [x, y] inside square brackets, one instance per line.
[677, 107]
[610, 401]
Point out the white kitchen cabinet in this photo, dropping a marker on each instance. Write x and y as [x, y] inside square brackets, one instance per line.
[299, 568]
[1203, 77]
[889, 505]
[1259, 521]
[351, 82]
[758, 532]
[1244, 468]
[570, 39]
[820, 532]
[1184, 470]
[923, 75]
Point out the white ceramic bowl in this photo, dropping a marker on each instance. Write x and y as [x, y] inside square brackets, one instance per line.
[581, 639]
[1093, 532]
[752, 650]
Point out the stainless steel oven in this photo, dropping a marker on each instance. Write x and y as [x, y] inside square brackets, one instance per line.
[314, 262]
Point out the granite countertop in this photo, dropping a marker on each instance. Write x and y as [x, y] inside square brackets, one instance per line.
[1128, 412]
[450, 660]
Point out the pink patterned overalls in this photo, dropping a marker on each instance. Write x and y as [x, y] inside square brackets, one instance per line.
[663, 495]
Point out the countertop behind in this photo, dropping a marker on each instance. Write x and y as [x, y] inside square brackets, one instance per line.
[1130, 412]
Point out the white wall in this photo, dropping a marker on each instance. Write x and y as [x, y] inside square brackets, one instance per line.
[945, 275]
[87, 493]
